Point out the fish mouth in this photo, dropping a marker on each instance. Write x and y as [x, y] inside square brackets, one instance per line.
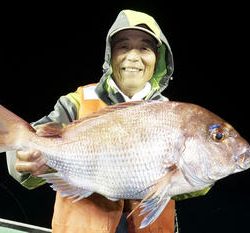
[243, 160]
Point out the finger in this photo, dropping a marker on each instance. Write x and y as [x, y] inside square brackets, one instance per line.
[31, 167]
[49, 125]
[43, 169]
[48, 130]
[28, 156]
[25, 166]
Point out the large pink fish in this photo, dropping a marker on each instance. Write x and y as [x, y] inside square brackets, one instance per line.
[140, 150]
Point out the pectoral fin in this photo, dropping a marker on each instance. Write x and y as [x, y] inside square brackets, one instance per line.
[153, 208]
[156, 200]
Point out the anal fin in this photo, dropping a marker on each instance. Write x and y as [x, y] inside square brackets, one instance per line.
[58, 183]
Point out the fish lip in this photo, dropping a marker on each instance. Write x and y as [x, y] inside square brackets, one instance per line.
[243, 159]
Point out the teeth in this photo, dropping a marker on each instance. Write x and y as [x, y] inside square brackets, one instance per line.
[131, 69]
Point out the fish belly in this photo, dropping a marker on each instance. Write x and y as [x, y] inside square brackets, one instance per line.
[127, 175]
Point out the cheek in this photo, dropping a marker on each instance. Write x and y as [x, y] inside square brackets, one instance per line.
[149, 59]
[115, 60]
[150, 63]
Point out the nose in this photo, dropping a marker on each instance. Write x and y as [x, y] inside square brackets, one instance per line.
[133, 55]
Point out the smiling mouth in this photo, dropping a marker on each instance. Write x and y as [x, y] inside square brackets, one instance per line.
[131, 69]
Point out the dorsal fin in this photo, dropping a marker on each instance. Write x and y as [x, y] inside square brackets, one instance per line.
[108, 109]
[112, 108]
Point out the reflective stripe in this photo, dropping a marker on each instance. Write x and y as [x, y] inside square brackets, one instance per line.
[89, 100]
[89, 92]
[74, 98]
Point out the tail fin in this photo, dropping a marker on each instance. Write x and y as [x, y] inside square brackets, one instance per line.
[12, 128]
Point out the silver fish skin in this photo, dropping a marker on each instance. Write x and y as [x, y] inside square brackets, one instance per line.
[139, 150]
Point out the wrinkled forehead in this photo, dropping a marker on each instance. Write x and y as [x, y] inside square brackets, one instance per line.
[132, 35]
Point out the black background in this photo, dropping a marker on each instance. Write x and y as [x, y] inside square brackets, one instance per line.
[47, 51]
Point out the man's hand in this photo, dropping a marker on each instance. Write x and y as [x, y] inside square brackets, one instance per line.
[50, 129]
[32, 162]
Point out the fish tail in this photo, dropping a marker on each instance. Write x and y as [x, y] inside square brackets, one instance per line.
[12, 129]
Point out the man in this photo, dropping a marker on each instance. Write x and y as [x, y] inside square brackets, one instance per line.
[138, 65]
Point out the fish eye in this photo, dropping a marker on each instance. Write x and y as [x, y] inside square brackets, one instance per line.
[218, 136]
[217, 132]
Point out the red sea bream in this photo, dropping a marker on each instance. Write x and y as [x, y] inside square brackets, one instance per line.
[140, 150]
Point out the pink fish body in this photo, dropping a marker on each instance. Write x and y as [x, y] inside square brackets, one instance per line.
[140, 150]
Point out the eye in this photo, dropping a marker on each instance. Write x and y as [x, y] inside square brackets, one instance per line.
[120, 46]
[146, 49]
[217, 133]
[218, 136]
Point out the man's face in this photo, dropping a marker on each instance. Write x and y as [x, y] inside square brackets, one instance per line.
[133, 60]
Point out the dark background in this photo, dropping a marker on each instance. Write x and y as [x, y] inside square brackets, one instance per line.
[47, 51]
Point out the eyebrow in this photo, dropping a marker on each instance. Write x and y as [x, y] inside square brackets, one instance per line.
[115, 40]
[152, 42]
[147, 41]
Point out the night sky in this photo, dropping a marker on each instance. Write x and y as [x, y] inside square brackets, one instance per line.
[48, 51]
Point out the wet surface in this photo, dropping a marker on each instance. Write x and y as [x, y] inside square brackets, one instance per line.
[48, 53]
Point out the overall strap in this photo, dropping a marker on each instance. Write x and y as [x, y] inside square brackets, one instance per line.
[90, 102]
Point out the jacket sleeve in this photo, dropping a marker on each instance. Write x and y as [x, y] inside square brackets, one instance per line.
[65, 111]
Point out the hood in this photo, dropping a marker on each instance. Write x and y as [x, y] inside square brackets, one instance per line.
[128, 19]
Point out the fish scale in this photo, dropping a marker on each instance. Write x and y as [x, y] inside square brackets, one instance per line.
[148, 150]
